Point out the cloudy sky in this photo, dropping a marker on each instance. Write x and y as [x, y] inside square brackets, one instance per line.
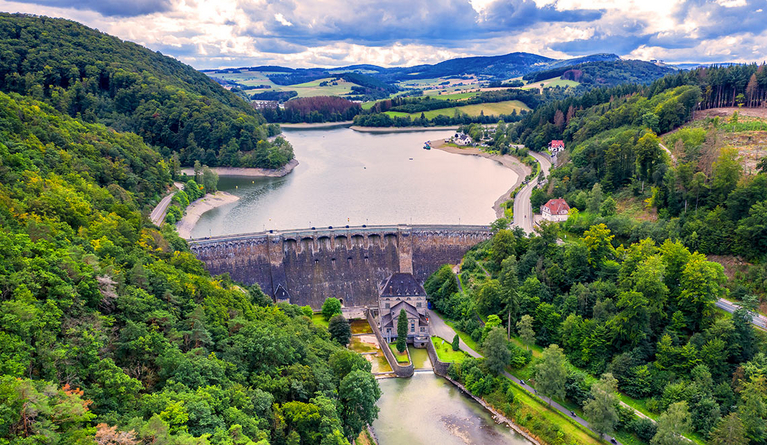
[306, 33]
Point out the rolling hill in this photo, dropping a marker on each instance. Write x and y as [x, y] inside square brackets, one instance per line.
[100, 78]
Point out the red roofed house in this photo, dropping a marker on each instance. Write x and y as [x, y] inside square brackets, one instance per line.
[556, 146]
[555, 210]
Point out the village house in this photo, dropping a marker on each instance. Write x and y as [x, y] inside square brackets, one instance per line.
[556, 146]
[555, 210]
[462, 139]
[402, 291]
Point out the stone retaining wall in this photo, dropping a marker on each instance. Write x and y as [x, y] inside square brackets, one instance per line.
[399, 370]
[440, 368]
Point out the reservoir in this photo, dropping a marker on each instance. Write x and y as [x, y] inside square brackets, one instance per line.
[345, 177]
[426, 409]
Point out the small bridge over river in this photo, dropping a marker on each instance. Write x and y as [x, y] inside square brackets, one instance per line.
[307, 266]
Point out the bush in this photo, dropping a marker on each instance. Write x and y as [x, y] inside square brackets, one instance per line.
[644, 428]
[331, 307]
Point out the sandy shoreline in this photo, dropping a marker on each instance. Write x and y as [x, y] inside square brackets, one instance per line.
[250, 172]
[199, 207]
[507, 161]
[399, 129]
[320, 125]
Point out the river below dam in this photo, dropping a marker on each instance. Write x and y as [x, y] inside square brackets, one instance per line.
[355, 178]
[426, 409]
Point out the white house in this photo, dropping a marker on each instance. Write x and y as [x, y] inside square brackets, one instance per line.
[555, 210]
[556, 146]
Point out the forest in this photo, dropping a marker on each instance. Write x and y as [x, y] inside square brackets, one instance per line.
[626, 334]
[99, 78]
[111, 332]
[605, 73]
[315, 109]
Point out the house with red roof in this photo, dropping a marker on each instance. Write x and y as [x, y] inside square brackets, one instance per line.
[555, 210]
[556, 146]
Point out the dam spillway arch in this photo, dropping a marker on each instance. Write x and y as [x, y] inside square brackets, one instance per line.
[347, 263]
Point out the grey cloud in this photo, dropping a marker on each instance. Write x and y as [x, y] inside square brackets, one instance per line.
[109, 8]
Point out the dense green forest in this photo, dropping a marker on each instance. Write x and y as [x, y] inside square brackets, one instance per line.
[605, 73]
[642, 312]
[111, 332]
[99, 78]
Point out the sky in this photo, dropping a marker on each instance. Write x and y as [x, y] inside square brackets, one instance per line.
[328, 33]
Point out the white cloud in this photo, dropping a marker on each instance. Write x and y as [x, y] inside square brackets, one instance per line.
[304, 33]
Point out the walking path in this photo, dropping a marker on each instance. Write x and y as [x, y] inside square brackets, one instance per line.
[438, 327]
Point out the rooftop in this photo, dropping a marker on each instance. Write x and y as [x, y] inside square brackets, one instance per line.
[399, 284]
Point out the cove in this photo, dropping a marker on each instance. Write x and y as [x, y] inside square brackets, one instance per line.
[355, 178]
[426, 409]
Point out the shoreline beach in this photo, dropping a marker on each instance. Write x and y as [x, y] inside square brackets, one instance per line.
[507, 161]
[250, 172]
[304, 125]
[196, 209]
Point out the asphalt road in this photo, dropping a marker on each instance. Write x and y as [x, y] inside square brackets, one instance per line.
[523, 211]
[438, 327]
[758, 320]
[158, 213]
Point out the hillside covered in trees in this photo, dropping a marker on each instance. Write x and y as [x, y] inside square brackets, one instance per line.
[111, 332]
[99, 78]
[594, 319]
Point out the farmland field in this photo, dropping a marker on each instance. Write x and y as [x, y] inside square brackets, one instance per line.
[489, 109]
[551, 83]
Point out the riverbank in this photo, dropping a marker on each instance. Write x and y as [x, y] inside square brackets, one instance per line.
[400, 129]
[196, 209]
[307, 126]
[507, 161]
[250, 172]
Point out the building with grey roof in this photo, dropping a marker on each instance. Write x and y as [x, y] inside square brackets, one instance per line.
[401, 291]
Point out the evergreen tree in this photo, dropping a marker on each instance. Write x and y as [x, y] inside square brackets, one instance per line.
[730, 431]
[340, 330]
[402, 327]
[496, 351]
[456, 342]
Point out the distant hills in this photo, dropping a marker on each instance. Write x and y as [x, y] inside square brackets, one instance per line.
[371, 82]
[490, 67]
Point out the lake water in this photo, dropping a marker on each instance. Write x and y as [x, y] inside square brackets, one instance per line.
[349, 177]
[427, 409]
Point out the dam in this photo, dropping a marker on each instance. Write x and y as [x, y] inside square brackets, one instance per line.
[305, 267]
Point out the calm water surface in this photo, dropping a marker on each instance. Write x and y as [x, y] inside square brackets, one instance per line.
[348, 177]
[427, 409]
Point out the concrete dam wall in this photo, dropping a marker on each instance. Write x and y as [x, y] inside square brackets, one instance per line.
[308, 266]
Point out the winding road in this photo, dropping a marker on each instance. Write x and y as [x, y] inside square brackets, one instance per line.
[158, 213]
[758, 320]
[523, 211]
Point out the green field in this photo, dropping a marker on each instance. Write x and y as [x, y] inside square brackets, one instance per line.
[551, 83]
[401, 358]
[490, 109]
[460, 95]
[307, 89]
[445, 351]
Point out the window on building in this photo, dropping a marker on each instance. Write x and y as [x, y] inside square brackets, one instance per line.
[418, 305]
[412, 327]
[386, 306]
